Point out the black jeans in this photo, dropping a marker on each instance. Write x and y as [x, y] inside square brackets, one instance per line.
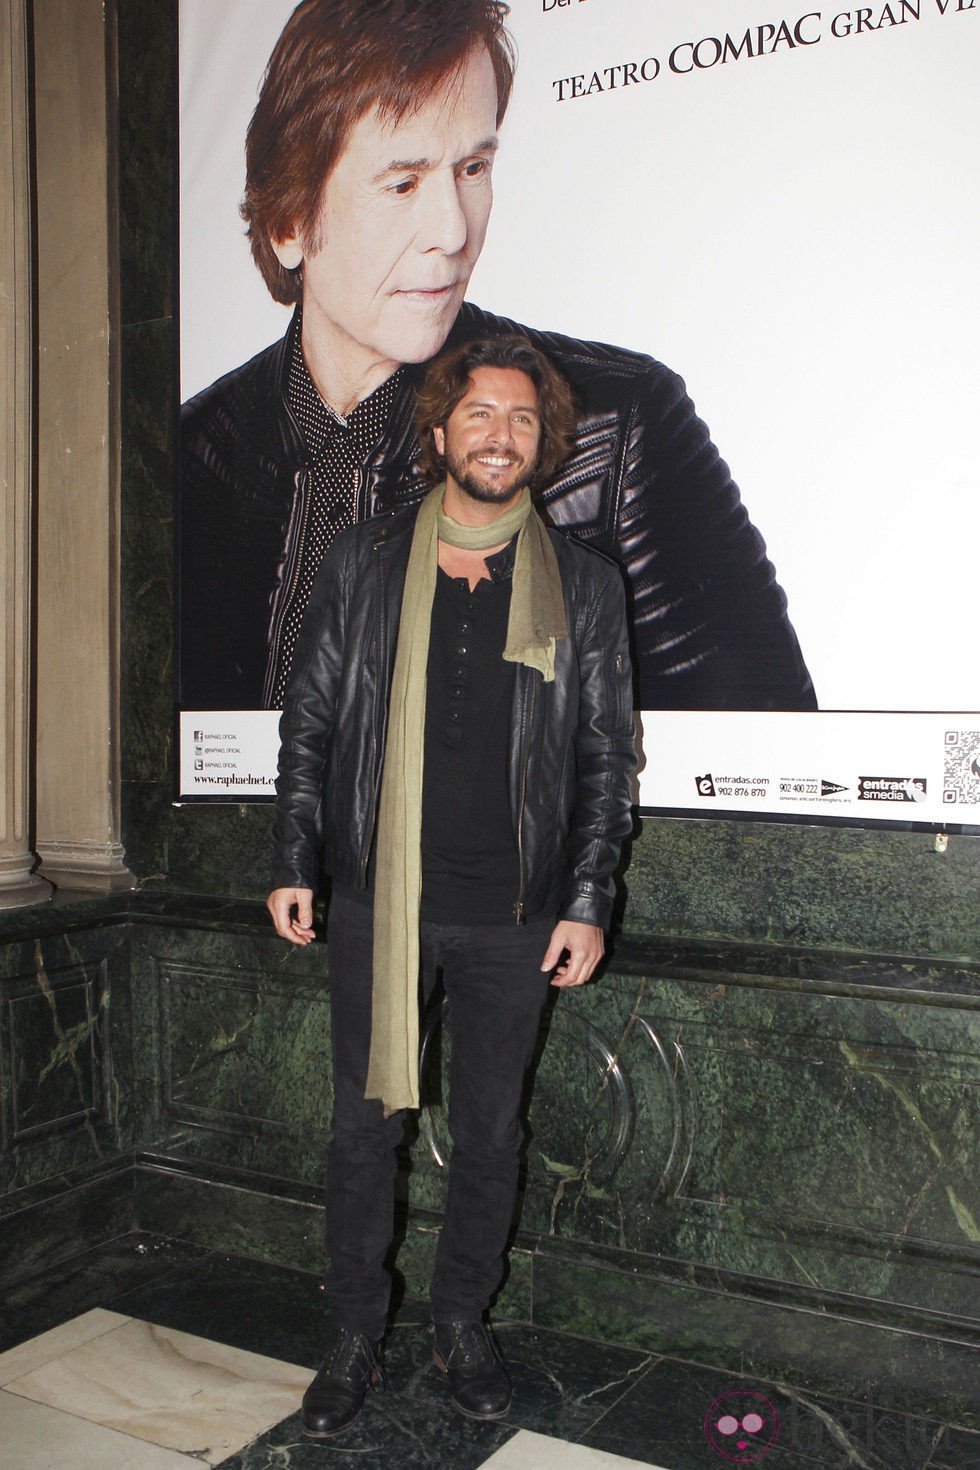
[496, 992]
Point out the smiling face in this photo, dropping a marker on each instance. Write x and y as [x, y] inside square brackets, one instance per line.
[401, 224]
[490, 440]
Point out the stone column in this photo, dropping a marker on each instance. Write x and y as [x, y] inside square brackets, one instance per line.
[18, 885]
[78, 450]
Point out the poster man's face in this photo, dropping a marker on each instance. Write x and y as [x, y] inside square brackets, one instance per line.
[402, 222]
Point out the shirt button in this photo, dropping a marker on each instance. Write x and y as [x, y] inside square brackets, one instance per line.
[462, 650]
[455, 715]
[465, 626]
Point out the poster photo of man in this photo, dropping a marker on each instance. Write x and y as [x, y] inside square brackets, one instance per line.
[371, 138]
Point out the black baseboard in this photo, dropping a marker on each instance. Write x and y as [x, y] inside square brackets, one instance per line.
[47, 1224]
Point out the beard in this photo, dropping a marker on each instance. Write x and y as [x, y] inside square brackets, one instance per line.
[466, 473]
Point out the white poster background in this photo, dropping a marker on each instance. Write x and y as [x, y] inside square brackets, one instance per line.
[794, 231]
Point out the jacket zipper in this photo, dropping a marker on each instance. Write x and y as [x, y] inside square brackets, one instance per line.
[382, 658]
[519, 905]
[296, 558]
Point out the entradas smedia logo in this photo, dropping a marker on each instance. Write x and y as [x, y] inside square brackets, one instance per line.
[892, 788]
[742, 1425]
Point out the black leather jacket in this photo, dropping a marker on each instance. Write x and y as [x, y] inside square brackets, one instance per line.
[571, 747]
[644, 484]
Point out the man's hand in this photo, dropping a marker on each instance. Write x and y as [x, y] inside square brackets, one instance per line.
[584, 944]
[281, 902]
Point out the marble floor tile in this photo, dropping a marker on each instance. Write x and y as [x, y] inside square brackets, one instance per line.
[395, 1432]
[687, 1416]
[561, 1386]
[529, 1451]
[37, 1351]
[182, 1392]
[564, 1384]
[34, 1437]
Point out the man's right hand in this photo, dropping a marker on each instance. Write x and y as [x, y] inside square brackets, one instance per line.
[281, 902]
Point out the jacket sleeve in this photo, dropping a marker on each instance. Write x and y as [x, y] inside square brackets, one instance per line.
[605, 756]
[710, 620]
[307, 725]
[235, 504]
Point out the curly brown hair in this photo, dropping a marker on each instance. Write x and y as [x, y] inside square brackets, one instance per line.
[448, 379]
[334, 61]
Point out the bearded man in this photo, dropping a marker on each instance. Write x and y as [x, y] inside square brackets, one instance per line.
[457, 746]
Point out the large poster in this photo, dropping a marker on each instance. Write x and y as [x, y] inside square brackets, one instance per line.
[780, 210]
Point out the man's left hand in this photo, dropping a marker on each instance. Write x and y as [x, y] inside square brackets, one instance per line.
[582, 946]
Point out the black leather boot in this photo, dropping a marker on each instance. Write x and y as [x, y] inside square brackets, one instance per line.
[335, 1397]
[477, 1376]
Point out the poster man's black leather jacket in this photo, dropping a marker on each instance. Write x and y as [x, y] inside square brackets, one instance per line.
[571, 748]
[644, 484]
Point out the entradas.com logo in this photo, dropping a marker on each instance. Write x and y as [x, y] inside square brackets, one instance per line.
[742, 1425]
[738, 788]
[891, 788]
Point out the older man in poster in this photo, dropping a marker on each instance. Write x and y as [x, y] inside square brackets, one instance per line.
[368, 194]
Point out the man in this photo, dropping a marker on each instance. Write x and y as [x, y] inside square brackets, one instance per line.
[368, 193]
[457, 744]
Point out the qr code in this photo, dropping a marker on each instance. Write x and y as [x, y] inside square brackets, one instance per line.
[961, 768]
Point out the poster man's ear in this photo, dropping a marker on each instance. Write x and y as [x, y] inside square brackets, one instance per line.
[289, 252]
[439, 438]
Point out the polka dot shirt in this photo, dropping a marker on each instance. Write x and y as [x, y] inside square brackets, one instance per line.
[338, 448]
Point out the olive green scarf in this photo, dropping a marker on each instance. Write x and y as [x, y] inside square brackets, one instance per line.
[535, 621]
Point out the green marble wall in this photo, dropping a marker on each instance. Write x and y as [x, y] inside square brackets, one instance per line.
[776, 1115]
[757, 1156]
[804, 1118]
[66, 1094]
